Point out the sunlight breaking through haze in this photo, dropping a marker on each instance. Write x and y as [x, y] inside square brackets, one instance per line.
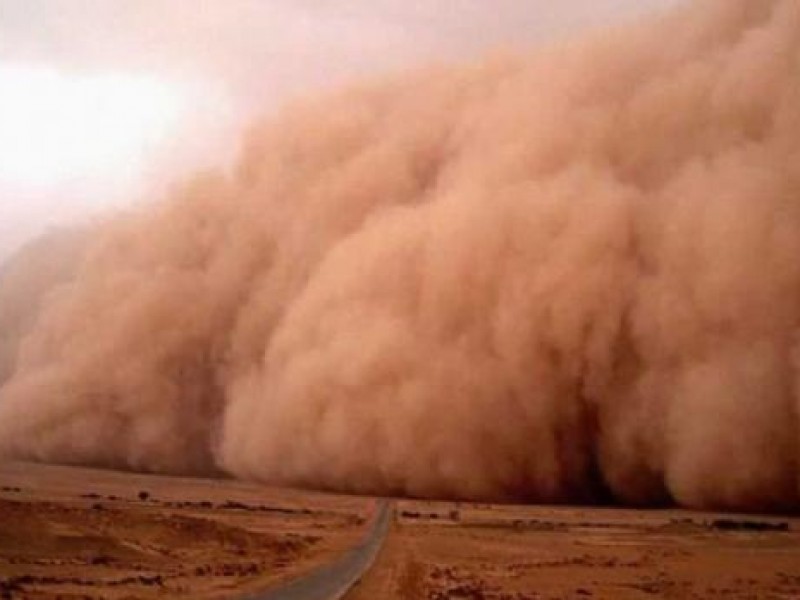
[57, 126]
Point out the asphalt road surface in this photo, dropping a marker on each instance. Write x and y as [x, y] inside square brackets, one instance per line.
[334, 580]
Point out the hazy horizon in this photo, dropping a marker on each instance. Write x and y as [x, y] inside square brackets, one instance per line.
[225, 62]
[569, 275]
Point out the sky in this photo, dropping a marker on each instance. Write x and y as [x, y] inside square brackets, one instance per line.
[103, 101]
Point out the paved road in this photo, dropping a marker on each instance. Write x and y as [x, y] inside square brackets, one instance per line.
[334, 580]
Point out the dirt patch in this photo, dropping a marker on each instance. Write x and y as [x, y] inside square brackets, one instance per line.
[62, 540]
[546, 553]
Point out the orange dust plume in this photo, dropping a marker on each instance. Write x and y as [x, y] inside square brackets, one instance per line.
[566, 277]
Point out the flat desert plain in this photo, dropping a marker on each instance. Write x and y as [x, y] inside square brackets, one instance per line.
[81, 533]
[439, 551]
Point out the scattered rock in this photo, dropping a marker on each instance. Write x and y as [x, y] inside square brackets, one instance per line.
[748, 525]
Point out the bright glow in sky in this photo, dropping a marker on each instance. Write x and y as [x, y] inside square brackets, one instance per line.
[129, 96]
[56, 126]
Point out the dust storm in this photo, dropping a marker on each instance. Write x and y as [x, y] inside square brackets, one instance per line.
[567, 276]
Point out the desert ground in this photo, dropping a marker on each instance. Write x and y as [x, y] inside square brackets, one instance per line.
[81, 533]
[479, 551]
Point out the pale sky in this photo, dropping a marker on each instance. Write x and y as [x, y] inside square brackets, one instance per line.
[100, 98]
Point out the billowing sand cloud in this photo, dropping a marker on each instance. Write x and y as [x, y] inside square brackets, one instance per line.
[566, 277]
[27, 279]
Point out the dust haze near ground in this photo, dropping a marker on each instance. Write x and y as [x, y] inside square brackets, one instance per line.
[563, 277]
[27, 279]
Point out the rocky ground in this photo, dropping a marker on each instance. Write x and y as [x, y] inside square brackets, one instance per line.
[77, 533]
[80, 533]
[467, 551]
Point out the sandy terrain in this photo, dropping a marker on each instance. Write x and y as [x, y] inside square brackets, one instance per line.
[80, 533]
[438, 551]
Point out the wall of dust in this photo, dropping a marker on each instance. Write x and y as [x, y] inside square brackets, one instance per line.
[28, 277]
[564, 277]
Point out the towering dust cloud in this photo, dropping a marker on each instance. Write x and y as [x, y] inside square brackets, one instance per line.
[567, 277]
